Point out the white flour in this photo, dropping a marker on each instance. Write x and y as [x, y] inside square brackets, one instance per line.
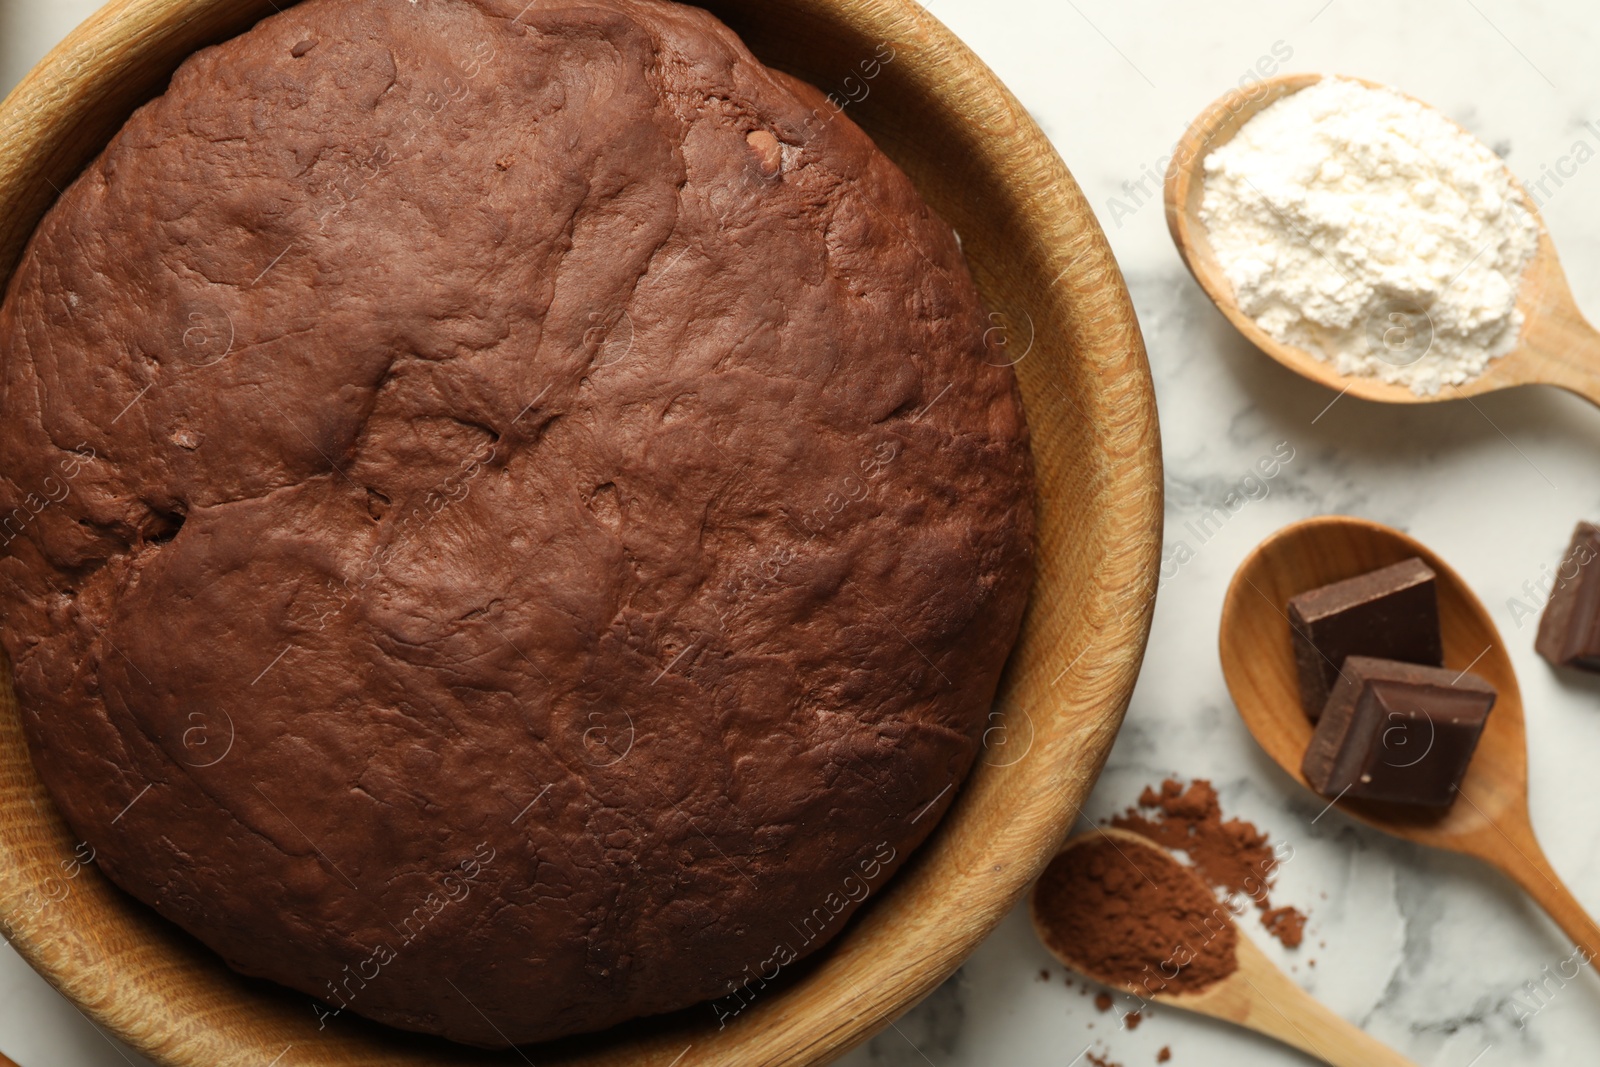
[1367, 229]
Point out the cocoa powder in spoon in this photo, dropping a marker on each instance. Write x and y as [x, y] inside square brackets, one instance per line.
[1134, 917]
[1231, 855]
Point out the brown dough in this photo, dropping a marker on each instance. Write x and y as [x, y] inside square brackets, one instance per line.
[507, 514]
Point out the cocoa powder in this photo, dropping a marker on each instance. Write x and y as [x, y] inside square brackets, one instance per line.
[1134, 917]
[1287, 925]
[1232, 855]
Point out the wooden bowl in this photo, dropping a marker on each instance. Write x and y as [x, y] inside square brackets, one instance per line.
[1045, 268]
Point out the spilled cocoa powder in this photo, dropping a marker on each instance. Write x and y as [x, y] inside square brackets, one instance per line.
[1232, 856]
[1135, 917]
[1167, 932]
[1287, 925]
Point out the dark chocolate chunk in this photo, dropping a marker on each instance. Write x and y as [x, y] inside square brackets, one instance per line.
[1569, 629]
[1397, 732]
[1392, 613]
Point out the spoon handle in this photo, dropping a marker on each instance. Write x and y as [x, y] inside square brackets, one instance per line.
[1567, 349]
[1527, 865]
[1262, 998]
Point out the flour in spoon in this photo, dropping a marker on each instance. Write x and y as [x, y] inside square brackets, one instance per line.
[1369, 230]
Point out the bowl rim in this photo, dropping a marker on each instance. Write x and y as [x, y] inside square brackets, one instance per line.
[961, 882]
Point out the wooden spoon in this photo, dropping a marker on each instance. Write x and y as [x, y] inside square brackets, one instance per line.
[1257, 996]
[1557, 345]
[1489, 818]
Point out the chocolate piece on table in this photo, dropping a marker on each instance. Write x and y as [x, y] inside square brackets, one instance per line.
[1392, 612]
[1397, 732]
[1569, 629]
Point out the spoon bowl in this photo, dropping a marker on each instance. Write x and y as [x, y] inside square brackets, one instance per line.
[1257, 995]
[1489, 818]
[1557, 345]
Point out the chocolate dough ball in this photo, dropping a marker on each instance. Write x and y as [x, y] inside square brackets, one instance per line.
[512, 520]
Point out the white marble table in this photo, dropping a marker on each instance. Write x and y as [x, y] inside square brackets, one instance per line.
[1429, 952]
